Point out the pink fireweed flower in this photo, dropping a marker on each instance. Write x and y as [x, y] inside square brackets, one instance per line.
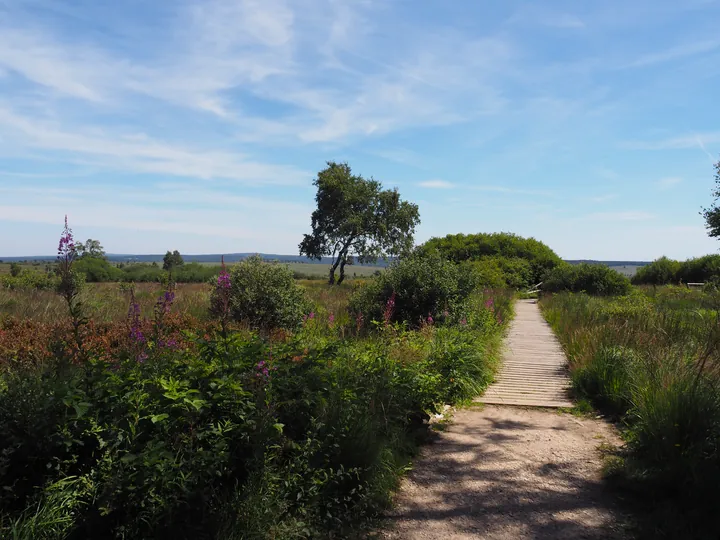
[262, 370]
[389, 309]
[430, 319]
[331, 320]
[312, 315]
[489, 303]
[359, 320]
[463, 321]
[134, 319]
[223, 280]
[66, 246]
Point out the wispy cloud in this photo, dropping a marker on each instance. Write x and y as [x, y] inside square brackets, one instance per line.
[603, 198]
[669, 182]
[436, 184]
[697, 140]
[514, 191]
[630, 215]
[143, 154]
[678, 52]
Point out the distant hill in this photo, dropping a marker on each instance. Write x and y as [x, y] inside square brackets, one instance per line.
[235, 257]
[211, 258]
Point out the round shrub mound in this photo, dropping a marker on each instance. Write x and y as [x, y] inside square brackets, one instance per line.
[266, 296]
[420, 286]
[595, 279]
[506, 249]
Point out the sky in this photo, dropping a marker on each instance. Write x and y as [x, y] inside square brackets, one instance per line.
[199, 125]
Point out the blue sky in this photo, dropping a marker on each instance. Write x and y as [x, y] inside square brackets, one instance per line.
[199, 125]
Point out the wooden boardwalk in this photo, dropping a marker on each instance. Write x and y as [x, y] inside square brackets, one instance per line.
[534, 365]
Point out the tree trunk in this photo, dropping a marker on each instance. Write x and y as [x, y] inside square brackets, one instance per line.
[342, 271]
[334, 266]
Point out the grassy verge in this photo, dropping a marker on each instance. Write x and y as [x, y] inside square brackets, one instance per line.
[207, 434]
[651, 361]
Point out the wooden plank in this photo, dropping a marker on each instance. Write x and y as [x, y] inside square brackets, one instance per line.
[534, 371]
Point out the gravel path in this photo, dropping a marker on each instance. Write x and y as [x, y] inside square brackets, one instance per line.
[509, 473]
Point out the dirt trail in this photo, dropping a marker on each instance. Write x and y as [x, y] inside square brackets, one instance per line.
[507, 473]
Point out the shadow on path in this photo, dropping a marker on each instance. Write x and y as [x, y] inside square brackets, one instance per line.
[509, 473]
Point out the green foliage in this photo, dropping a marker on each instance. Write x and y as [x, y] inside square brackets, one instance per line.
[421, 286]
[15, 269]
[659, 272]
[97, 270]
[666, 271]
[235, 437]
[355, 217]
[29, 281]
[172, 260]
[504, 273]
[266, 296]
[596, 279]
[652, 361]
[91, 248]
[712, 214]
[498, 246]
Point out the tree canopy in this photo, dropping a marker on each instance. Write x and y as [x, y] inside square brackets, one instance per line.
[91, 248]
[482, 246]
[172, 260]
[357, 219]
[712, 214]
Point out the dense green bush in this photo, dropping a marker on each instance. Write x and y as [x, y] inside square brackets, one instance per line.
[597, 279]
[420, 286]
[266, 295]
[499, 246]
[666, 271]
[504, 273]
[97, 270]
[234, 438]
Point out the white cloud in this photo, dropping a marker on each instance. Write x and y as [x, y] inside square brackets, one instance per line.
[436, 184]
[140, 153]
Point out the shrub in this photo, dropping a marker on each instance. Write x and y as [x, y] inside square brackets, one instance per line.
[266, 296]
[15, 269]
[29, 281]
[659, 272]
[605, 380]
[596, 279]
[474, 247]
[700, 269]
[97, 270]
[421, 286]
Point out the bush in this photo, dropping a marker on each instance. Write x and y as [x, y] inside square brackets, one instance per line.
[421, 286]
[29, 281]
[596, 279]
[605, 380]
[666, 271]
[97, 270]
[659, 272]
[266, 296]
[504, 273]
[476, 247]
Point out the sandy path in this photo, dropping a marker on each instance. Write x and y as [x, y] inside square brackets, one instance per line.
[509, 473]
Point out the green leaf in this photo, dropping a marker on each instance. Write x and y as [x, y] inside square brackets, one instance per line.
[279, 427]
[155, 418]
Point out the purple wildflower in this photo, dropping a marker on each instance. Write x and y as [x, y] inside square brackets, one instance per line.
[430, 319]
[389, 309]
[312, 315]
[331, 320]
[489, 303]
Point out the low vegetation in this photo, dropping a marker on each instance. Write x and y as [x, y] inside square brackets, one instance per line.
[652, 361]
[594, 279]
[147, 411]
[664, 271]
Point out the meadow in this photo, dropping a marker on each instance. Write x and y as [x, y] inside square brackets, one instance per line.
[650, 360]
[252, 406]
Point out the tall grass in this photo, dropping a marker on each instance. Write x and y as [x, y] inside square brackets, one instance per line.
[652, 360]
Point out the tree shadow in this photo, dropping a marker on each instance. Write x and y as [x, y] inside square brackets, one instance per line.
[477, 481]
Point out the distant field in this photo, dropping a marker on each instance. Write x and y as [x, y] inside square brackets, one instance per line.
[626, 270]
